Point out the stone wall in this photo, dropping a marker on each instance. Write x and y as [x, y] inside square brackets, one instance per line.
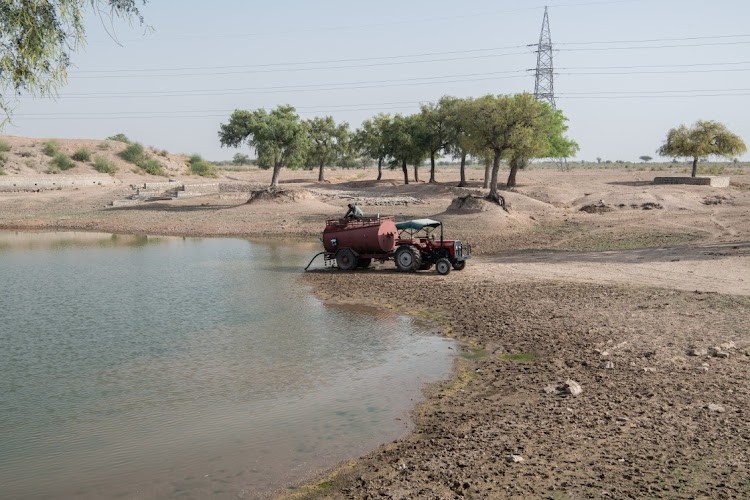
[54, 182]
[703, 180]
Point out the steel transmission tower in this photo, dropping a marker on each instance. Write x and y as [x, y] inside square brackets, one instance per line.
[544, 87]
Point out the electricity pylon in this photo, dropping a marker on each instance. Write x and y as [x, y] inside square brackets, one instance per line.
[544, 86]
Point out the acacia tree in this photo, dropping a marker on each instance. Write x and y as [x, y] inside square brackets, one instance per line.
[704, 138]
[278, 136]
[461, 144]
[370, 139]
[403, 145]
[435, 129]
[37, 39]
[327, 142]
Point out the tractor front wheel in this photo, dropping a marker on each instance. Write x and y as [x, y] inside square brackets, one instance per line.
[459, 264]
[443, 266]
[346, 260]
[408, 259]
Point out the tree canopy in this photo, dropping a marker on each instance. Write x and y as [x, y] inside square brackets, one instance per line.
[703, 139]
[37, 39]
[278, 137]
[369, 140]
[327, 142]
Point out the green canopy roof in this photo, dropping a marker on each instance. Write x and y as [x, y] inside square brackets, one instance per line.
[417, 224]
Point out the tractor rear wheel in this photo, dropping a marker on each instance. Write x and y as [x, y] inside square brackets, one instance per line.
[408, 259]
[459, 264]
[443, 266]
[346, 260]
[364, 263]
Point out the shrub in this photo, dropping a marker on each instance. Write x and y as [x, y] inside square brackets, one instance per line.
[134, 154]
[2, 172]
[119, 138]
[154, 167]
[199, 166]
[4, 146]
[62, 161]
[82, 154]
[163, 152]
[50, 148]
[103, 146]
[26, 154]
[103, 165]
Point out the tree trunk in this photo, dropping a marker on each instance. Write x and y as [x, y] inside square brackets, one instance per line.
[380, 168]
[321, 177]
[463, 170]
[406, 172]
[513, 170]
[695, 166]
[416, 172]
[432, 168]
[487, 169]
[493, 180]
[275, 176]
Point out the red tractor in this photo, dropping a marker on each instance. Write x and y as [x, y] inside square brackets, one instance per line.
[413, 245]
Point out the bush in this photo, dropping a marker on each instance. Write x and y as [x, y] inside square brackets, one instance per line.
[26, 154]
[4, 146]
[199, 166]
[154, 167]
[50, 148]
[103, 165]
[62, 161]
[134, 154]
[163, 152]
[82, 154]
[103, 146]
[119, 138]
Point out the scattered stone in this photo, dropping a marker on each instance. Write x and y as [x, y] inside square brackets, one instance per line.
[650, 205]
[622, 419]
[572, 387]
[718, 352]
[716, 408]
[728, 346]
[601, 353]
[607, 365]
[515, 459]
[649, 369]
[550, 389]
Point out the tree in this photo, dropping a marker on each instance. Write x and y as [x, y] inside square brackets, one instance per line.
[402, 144]
[241, 159]
[703, 139]
[435, 131]
[461, 143]
[370, 139]
[645, 158]
[327, 142]
[37, 39]
[278, 136]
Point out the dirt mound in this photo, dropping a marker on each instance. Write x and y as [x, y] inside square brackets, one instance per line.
[279, 195]
[472, 203]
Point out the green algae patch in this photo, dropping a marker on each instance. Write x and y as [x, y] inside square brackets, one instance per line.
[521, 357]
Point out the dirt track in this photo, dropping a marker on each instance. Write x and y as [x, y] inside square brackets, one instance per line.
[539, 308]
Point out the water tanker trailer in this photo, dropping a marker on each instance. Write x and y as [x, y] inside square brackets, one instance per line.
[413, 245]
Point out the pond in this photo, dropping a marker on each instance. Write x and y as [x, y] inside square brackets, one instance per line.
[165, 367]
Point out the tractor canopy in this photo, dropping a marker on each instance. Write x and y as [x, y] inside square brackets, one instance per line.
[412, 227]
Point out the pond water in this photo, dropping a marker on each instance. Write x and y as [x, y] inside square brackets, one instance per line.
[162, 367]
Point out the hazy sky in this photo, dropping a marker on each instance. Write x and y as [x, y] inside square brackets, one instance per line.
[626, 70]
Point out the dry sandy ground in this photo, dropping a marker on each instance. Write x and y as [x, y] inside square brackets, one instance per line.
[645, 309]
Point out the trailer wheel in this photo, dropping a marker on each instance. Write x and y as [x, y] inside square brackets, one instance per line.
[364, 263]
[443, 266]
[408, 259]
[346, 260]
[459, 264]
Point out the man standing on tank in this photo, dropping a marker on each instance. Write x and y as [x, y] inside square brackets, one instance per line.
[354, 212]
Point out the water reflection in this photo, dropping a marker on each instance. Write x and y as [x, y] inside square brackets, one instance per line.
[188, 367]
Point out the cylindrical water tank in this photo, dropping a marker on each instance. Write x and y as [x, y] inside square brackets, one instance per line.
[372, 236]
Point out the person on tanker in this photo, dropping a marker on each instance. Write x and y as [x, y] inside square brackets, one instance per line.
[354, 212]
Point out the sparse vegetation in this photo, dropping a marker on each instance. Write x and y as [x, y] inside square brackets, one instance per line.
[4, 146]
[62, 161]
[134, 153]
[51, 148]
[82, 154]
[154, 167]
[163, 153]
[26, 154]
[103, 146]
[119, 138]
[103, 165]
[199, 166]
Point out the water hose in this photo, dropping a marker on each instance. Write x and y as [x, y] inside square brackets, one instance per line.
[311, 260]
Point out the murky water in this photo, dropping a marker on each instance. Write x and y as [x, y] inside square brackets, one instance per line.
[153, 367]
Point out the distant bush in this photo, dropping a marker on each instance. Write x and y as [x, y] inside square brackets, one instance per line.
[103, 165]
[62, 161]
[241, 159]
[163, 152]
[82, 154]
[199, 166]
[154, 167]
[119, 138]
[2, 172]
[26, 154]
[103, 146]
[4, 146]
[134, 154]
[50, 148]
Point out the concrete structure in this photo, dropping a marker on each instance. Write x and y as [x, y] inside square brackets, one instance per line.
[54, 182]
[703, 180]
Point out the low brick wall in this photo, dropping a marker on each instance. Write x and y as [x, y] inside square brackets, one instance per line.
[703, 180]
[53, 182]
